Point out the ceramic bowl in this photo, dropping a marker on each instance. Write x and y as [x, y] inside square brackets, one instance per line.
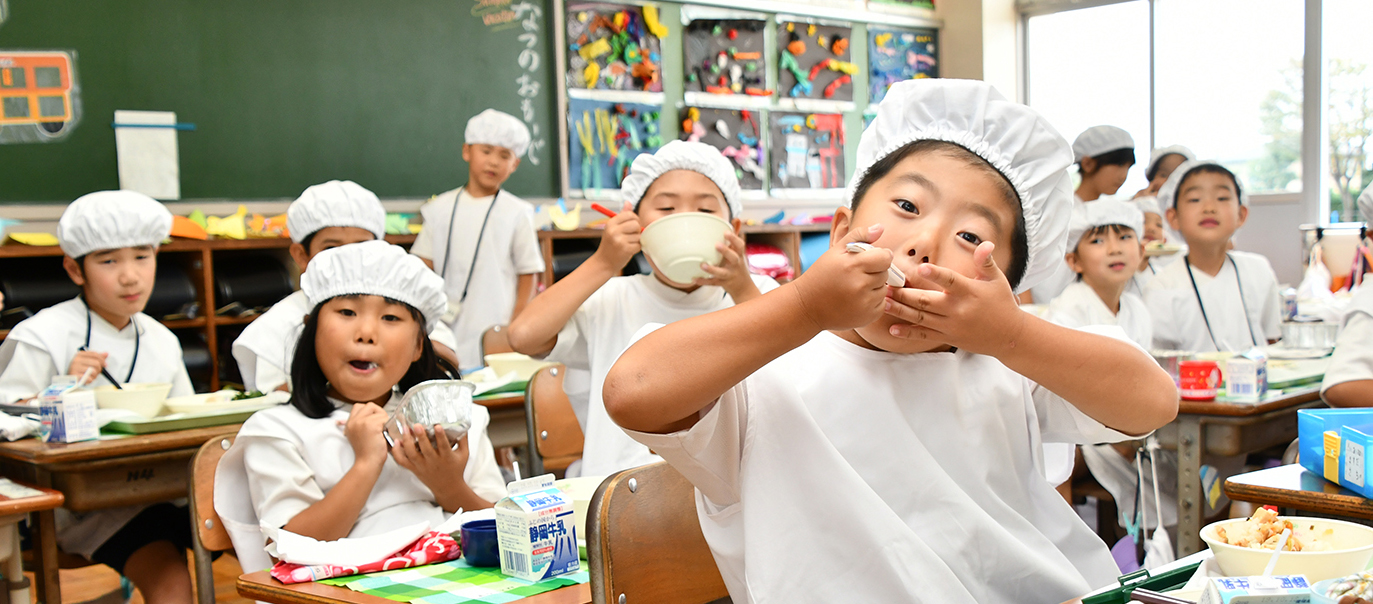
[1353, 545]
[679, 243]
[147, 399]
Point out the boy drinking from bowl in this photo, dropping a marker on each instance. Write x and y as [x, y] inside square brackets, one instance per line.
[855, 442]
[110, 240]
[586, 319]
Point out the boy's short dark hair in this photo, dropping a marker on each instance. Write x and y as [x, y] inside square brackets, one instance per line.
[1020, 246]
[1119, 157]
[1208, 169]
[1152, 170]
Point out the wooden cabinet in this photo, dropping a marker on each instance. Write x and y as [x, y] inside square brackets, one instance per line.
[198, 258]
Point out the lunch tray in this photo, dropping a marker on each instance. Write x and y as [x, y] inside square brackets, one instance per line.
[170, 423]
[1165, 581]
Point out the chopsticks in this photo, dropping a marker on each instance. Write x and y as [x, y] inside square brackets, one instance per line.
[106, 373]
[1145, 596]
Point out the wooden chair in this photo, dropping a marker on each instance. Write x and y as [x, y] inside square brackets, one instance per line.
[207, 532]
[645, 541]
[494, 341]
[555, 436]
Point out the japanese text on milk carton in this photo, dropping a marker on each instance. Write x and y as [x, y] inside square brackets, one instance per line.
[536, 531]
[68, 417]
[1246, 377]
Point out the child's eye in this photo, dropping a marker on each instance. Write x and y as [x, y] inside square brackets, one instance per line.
[970, 238]
[907, 206]
[347, 312]
[706, 211]
[390, 318]
[1095, 241]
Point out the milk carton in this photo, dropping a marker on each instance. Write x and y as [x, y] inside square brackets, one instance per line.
[536, 531]
[1285, 589]
[68, 417]
[1246, 377]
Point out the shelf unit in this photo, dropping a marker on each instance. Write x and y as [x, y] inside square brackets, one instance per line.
[786, 237]
[198, 258]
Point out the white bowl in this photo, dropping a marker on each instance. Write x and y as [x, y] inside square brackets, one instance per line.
[523, 366]
[679, 243]
[216, 402]
[580, 490]
[1353, 545]
[146, 399]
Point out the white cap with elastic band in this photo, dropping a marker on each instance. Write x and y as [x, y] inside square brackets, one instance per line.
[682, 155]
[375, 268]
[499, 129]
[1169, 190]
[1100, 213]
[1099, 140]
[337, 203]
[1158, 154]
[110, 220]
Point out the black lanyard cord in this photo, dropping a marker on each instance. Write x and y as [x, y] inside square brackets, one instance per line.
[137, 336]
[448, 245]
[1243, 305]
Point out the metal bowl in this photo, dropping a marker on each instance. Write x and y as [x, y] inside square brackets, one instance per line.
[445, 403]
[1171, 361]
[1309, 334]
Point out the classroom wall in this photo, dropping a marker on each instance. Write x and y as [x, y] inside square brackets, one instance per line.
[978, 42]
[1271, 230]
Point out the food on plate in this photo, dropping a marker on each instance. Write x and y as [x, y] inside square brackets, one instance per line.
[243, 396]
[1354, 589]
[1264, 529]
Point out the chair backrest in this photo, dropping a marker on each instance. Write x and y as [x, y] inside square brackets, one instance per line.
[645, 541]
[209, 530]
[494, 341]
[555, 435]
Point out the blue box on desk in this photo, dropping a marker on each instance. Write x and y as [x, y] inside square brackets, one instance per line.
[1334, 443]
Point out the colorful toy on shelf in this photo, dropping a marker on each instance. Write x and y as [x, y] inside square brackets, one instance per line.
[187, 228]
[263, 226]
[232, 226]
[563, 218]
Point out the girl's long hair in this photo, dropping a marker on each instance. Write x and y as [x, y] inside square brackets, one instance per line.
[309, 386]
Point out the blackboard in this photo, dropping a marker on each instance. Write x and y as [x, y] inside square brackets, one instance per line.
[287, 94]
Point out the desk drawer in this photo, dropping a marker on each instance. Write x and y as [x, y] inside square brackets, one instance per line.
[133, 480]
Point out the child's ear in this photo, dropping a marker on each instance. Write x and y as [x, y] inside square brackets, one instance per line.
[515, 164]
[74, 271]
[1087, 166]
[467, 153]
[419, 345]
[840, 226]
[1244, 215]
[300, 255]
[738, 226]
[1172, 215]
[1071, 259]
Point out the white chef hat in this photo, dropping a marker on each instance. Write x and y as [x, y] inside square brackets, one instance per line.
[1147, 204]
[682, 155]
[1167, 193]
[1161, 152]
[499, 129]
[1097, 140]
[1015, 140]
[375, 268]
[1103, 212]
[337, 203]
[1366, 205]
[108, 220]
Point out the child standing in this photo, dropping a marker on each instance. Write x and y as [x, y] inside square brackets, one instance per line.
[319, 467]
[324, 217]
[481, 238]
[899, 428]
[587, 319]
[1213, 299]
[109, 240]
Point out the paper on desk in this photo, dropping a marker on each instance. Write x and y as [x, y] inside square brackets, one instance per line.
[14, 490]
[148, 157]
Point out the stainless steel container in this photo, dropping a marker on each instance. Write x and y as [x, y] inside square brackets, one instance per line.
[445, 403]
[1309, 334]
[1171, 361]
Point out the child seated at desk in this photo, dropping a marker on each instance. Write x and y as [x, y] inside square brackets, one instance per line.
[325, 216]
[109, 241]
[586, 319]
[319, 466]
[1349, 380]
[855, 442]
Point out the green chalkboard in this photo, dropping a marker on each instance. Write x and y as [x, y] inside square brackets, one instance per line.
[287, 94]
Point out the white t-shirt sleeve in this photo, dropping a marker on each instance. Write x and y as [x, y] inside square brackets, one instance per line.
[572, 348]
[1271, 319]
[482, 474]
[280, 482]
[1353, 358]
[424, 243]
[525, 253]
[710, 453]
[28, 371]
[181, 383]
[443, 334]
[1062, 422]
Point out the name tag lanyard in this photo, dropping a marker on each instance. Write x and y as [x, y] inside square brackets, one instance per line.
[1243, 304]
[448, 245]
[136, 337]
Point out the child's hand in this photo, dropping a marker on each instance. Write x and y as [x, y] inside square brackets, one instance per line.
[620, 241]
[363, 429]
[979, 314]
[843, 290]
[436, 463]
[732, 274]
[87, 359]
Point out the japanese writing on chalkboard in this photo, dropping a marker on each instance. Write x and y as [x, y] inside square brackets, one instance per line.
[530, 16]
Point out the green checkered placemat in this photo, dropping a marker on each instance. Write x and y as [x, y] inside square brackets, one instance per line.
[453, 582]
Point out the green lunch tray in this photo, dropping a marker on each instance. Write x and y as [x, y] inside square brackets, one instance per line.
[180, 422]
[1166, 581]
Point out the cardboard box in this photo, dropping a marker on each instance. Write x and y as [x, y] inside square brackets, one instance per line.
[1246, 377]
[1285, 589]
[70, 418]
[536, 531]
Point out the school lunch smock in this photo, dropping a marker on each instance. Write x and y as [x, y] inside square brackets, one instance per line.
[1353, 358]
[284, 462]
[509, 248]
[266, 347]
[1241, 304]
[43, 345]
[842, 474]
[602, 328]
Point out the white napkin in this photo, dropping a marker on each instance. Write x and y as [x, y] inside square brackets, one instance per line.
[15, 427]
[299, 549]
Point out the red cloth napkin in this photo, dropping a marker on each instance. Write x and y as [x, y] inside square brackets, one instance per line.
[432, 548]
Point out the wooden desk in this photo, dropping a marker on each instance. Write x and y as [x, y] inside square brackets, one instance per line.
[1226, 429]
[100, 474]
[261, 586]
[1293, 487]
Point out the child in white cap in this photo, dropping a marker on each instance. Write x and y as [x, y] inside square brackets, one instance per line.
[587, 318]
[480, 238]
[325, 216]
[898, 430]
[1212, 299]
[320, 466]
[109, 241]
[1162, 162]
[1349, 380]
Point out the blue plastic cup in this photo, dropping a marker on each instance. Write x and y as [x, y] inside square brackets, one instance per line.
[480, 547]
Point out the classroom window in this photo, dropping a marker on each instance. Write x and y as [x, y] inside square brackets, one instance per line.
[1228, 77]
[1089, 67]
[1349, 104]
[16, 106]
[51, 106]
[12, 77]
[47, 77]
